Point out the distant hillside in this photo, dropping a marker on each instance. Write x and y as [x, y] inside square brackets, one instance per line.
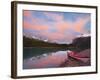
[30, 42]
[82, 42]
[79, 43]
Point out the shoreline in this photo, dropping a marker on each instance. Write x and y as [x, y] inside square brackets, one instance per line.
[72, 61]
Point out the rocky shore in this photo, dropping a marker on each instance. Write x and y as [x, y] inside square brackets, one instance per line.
[78, 59]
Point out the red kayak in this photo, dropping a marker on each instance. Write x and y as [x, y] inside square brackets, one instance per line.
[84, 57]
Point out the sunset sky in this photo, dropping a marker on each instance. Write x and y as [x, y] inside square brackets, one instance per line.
[59, 27]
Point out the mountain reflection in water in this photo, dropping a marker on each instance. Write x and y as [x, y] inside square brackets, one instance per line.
[46, 60]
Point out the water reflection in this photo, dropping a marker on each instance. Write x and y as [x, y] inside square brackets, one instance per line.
[46, 60]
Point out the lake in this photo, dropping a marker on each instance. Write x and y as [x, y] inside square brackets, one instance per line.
[35, 57]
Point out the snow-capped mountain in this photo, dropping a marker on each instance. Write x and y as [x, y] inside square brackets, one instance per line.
[34, 37]
[82, 41]
[45, 40]
[84, 35]
[42, 39]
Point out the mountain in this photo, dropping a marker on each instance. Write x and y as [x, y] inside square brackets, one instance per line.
[83, 35]
[79, 43]
[82, 42]
[32, 42]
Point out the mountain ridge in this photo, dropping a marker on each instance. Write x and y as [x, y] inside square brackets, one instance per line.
[79, 43]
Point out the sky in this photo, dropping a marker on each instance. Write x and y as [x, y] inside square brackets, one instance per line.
[59, 27]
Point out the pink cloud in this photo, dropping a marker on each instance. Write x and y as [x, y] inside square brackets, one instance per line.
[52, 36]
[27, 13]
[28, 25]
[78, 26]
[62, 26]
[59, 23]
[58, 36]
[54, 16]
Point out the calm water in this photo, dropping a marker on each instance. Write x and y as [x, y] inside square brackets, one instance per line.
[43, 57]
